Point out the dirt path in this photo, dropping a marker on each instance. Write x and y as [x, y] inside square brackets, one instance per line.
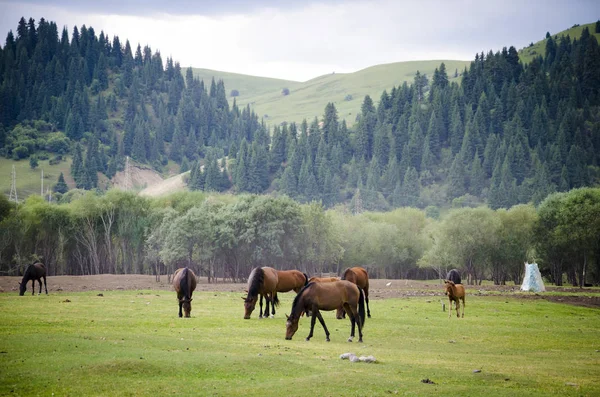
[378, 288]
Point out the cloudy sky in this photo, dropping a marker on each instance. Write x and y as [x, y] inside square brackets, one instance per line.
[299, 40]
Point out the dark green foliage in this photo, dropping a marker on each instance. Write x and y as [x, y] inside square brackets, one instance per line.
[33, 162]
[61, 185]
[508, 133]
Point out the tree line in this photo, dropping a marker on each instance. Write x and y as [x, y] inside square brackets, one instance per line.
[500, 134]
[222, 236]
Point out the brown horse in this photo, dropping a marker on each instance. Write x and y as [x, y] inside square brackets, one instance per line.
[184, 282]
[323, 279]
[262, 281]
[35, 272]
[327, 296]
[456, 293]
[360, 277]
[288, 280]
[268, 282]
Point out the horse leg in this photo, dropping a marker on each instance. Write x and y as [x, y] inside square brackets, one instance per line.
[45, 286]
[352, 316]
[463, 307]
[312, 323]
[457, 308]
[366, 291]
[180, 305]
[33, 287]
[273, 299]
[260, 312]
[449, 307]
[40, 282]
[323, 324]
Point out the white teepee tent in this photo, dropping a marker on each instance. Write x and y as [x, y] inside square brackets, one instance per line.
[533, 279]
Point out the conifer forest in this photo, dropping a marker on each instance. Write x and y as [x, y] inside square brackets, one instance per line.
[482, 173]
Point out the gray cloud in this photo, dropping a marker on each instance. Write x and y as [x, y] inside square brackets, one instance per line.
[300, 40]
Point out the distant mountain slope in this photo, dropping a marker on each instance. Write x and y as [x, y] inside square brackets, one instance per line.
[308, 99]
[539, 48]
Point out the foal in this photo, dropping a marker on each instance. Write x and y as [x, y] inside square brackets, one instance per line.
[456, 293]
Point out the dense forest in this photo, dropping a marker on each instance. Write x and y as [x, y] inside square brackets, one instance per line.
[509, 133]
[512, 149]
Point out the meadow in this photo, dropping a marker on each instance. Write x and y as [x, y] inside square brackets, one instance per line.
[132, 343]
[308, 99]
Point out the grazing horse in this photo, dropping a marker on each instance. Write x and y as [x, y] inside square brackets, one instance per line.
[262, 281]
[456, 293]
[327, 296]
[288, 280]
[34, 272]
[360, 277]
[323, 279]
[267, 282]
[184, 282]
[454, 276]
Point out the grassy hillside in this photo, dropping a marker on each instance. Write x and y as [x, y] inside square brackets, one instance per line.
[539, 48]
[28, 180]
[308, 99]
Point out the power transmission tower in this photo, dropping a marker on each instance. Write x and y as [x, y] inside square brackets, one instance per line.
[127, 174]
[13, 186]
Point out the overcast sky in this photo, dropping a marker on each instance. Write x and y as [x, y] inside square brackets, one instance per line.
[300, 40]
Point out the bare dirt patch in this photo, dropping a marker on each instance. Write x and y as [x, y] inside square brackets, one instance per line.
[378, 288]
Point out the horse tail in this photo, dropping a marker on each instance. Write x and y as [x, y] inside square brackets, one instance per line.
[305, 279]
[275, 299]
[183, 283]
[361, 307]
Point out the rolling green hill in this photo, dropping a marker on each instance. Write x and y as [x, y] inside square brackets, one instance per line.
[539, 48]
[308, 99]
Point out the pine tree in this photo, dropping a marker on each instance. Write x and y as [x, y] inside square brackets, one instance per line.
[411, 188]
[61, 185]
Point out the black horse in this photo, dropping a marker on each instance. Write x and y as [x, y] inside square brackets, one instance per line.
[34, 272]
[454, 276]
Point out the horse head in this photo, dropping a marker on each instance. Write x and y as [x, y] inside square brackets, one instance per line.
[186, 304]
[249, 305]
[291, 326]
[22, 288]
[449, 287]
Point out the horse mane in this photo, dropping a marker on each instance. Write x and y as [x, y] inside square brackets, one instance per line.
[305, 279]
[295, 304]
[256, 279]
[183, 283]
[345, 273]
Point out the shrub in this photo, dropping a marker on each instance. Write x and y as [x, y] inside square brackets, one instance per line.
[20, 152]
[285, 92]
[348, 98]
[58, 143]
[55, 160]
[234, 93]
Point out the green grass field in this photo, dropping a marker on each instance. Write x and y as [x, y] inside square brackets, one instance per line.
[133, 343]
[308, 99]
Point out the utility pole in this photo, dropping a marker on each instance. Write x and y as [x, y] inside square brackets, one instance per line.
[13, 186]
